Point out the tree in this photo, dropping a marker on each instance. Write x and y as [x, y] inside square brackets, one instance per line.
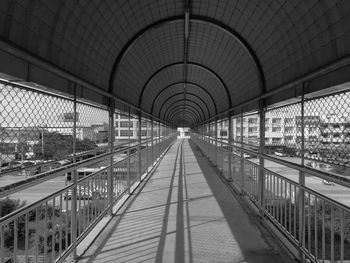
[59, 146]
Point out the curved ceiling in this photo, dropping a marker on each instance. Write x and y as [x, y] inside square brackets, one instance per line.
[218, 54]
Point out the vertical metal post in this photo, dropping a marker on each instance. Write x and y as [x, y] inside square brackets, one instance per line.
[242, 156]
[261, 179]
[147, 147]
[139, 147]
[230, 135]
[129, 153]
[158, 139]
[74, 174]
[42, 142]
[128, 171]
[208, 140]
[152, 143]
[111, 138]
[216, 142]
[302, 184]
[129, 141]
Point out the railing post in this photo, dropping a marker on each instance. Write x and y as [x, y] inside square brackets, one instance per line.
[261, 179]
[152, 143]
[139, 147]
[158, 139]
[75, 179]
[128, 171]
[242, 156]
[301, 185]
[111, 138]
[216, 142]
[147, 148]
[230, 133]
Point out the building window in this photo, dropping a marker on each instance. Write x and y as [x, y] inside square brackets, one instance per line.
[123, 117]
[253, 129]
[117, 124]
[288, 129]
[276, 140]
[267, 128]
[126, 124]
[276, 129]
[276, 121]
[288, 120]
[253, 120]
[125, 133]
[223, 133]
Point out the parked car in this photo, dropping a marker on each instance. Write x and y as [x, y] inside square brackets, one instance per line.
[281, 154]
[246, 155]
[326, 182]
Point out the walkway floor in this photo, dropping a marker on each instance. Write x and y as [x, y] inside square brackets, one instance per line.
[184, 213]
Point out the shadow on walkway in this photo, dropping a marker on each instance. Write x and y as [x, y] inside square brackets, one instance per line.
[188, 216]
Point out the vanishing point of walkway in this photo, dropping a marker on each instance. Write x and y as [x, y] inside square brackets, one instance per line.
[183, 213]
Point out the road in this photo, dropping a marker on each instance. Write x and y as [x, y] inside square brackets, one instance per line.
[337, 192]
[334, 191]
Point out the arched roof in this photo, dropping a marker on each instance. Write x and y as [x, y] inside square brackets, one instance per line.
[222, 53]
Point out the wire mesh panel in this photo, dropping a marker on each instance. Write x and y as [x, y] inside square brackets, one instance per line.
[327, 129]
[35, 128]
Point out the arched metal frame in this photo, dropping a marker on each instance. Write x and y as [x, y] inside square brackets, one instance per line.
[180, 111]
[169, 110]
[186, 111]
[177, 116]
[194, 18]
[181, 63]
[181, 82]
[181, 93]
[180, 123]
[171, 106]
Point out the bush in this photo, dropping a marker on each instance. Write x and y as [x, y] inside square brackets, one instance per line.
[7, 206]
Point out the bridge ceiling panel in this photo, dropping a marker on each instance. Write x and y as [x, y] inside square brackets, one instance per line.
[176, 89]
[82, 37]
[215, 48]
[159, 47]
[290, 38]
[236, 49]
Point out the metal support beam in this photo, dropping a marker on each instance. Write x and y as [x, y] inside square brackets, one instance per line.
[111, 139]
[216, 142]
[261, 179]
[242, 158]
[74, 208]
[230, 142]
[139, 147]
[301, 207]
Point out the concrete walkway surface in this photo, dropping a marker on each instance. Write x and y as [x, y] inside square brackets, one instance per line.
[184, 213]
